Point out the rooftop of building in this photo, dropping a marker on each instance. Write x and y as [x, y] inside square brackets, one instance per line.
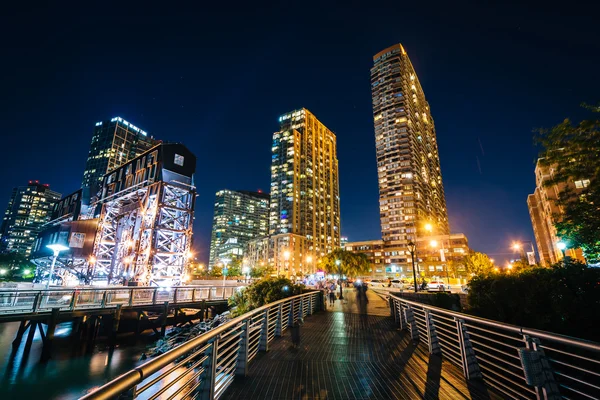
[397, 46]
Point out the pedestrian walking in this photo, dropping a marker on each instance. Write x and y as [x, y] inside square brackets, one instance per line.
[331, 294]
[295, 331]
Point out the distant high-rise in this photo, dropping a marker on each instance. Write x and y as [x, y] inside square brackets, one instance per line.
[305, 196]
[28, 209]
[410, 181]
[114, 143]
[239, 217]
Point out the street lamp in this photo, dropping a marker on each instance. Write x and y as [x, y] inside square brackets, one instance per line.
[224, 261]
[56, 248]
[411, 248]
[339, 265]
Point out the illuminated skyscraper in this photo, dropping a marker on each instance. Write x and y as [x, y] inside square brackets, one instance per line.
[239, 217]
[305, 198]
[410, 181]
[114, 143]
[28, 209]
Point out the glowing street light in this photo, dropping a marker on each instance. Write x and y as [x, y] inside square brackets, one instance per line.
[516, 246]
[56, 248]
[429, 227]
[433, 243]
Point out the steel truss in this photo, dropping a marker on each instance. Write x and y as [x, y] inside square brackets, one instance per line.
[144, 234]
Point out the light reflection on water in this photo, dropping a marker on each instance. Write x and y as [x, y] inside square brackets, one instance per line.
[68, 375]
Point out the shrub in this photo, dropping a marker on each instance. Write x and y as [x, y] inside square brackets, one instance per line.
[563, 299]
[263, 292]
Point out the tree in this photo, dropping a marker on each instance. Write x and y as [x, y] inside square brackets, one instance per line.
[350, 264]
[573, 153]
[478, 264]
[263, 292]
[14, 267]
[262, 271]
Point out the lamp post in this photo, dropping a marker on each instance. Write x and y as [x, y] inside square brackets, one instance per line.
[56, 248]
[411, 248]
[224, 261]
[339, 265]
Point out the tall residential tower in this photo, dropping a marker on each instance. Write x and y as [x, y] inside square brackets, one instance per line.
[239, 217]
[410, 181]
[28, 209]
[115, 142]
[304, 217]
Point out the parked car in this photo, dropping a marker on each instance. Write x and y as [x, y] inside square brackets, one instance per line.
[396, 283]
[436, 285]
[378, 283]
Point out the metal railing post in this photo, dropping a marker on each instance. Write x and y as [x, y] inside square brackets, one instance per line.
[392, 304]
[193, 295]
[36, 301]
[154, 292]
[278, 322]
[467, 354]
[131, 298]
[104, 296]
[175, 296]
[264, 333]
[74, 300]
[537, 370]
[412, 323]
[434, 345]
[398, 306]
[291, 314]
[241, 368]
[310, 304]
[207, 387]
[301, 308]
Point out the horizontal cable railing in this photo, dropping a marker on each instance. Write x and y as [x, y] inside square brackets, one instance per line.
[518, 363]
[204, 367]
[27, 301]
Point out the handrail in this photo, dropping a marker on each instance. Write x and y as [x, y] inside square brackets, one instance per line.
[569, 367]
[14, 302]
[207, 346]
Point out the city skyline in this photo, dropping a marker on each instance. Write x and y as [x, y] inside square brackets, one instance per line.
[484, 125]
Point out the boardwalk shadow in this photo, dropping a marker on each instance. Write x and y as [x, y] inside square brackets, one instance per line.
[434, 375]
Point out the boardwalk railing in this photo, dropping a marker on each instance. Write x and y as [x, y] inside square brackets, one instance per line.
[518, 362]
[36, 301]
[204, 367]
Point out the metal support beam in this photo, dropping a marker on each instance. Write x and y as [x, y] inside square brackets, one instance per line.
[264, 333]
[411, 323]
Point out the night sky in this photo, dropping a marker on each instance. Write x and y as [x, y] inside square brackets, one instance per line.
[217, 80]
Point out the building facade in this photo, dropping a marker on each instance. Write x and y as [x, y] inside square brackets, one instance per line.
[287, 254]
[388, 262]
[544, 209]
[115, 142]
[239, 217]
[305, 198]
[29, 208]
[411, 192]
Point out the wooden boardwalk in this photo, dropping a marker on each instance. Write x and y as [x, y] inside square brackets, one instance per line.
[352, 351]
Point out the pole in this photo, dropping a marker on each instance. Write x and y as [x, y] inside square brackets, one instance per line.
[340, 281]
[412, 258]
[52, 269]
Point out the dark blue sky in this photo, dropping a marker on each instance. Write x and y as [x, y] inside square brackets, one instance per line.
[217, 79]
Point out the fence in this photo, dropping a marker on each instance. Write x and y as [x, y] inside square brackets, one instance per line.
[204, 367]
[519, 363]
[27, 301]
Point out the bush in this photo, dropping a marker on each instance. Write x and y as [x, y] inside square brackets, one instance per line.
[563, 299]
[263, 292]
